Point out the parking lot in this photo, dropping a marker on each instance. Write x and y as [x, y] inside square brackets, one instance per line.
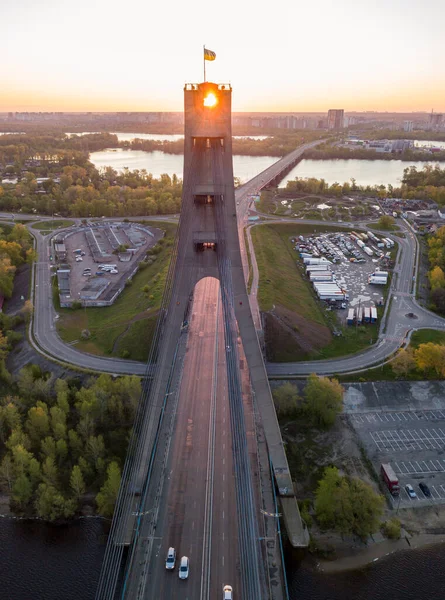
[86, 248]
[413, 442]
[350, 265]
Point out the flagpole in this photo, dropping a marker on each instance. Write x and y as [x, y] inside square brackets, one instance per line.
[204, 56]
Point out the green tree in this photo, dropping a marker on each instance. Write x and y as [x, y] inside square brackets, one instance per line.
[21, 458]
[386, 222]
[392, 528]
[106, 498]
[58, 422]
[50, 471]
[35, 472]
[75, 443]
[77, 482]
[48, 448]
[37, 423]
[51, 504]
[62, 451]
[22, 490]
[7, 471]
[25, 382]
[323, 400]
[286, 399]
[347, 505]
[9, 420]
[18, 438]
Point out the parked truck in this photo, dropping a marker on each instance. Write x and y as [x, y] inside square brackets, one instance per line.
[337, 297]
[360, 243]
[316, 261]
[350, 320]
[368, 251]
[367, 314]
[373, 314]
[322, 276]
[390, 478]
[375, 279]
[315, 268]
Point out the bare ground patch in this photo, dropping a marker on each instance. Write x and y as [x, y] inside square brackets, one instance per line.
[289, 336]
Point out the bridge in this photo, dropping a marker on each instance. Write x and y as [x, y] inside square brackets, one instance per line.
[206, 462]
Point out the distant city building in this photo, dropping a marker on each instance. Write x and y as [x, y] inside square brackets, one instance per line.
[336, 118]
[435, 120]
[408, 125]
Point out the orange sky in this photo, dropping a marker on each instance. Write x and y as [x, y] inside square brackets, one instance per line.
[110, 56]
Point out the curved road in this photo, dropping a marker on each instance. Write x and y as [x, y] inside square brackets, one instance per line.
[391, 337]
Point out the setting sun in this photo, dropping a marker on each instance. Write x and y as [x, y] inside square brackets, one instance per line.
[210, 100]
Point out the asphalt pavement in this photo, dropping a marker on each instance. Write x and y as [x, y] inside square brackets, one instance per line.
[187, 507]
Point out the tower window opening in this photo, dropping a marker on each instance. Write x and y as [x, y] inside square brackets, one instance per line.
[204, 199]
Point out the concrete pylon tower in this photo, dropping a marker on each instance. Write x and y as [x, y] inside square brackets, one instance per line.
[208, 245]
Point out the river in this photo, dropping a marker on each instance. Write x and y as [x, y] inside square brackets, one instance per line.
[123, 136]
[365, 172]
[157, 163]
[44, 562]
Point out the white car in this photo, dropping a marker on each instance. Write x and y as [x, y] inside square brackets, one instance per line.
[410, 491]
[227, 592]
[171, 559]
[184, 568]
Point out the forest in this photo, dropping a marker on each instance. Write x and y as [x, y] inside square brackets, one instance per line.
[63, 443]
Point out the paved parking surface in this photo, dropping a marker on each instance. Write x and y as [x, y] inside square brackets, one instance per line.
[352, 276]
[413, 442]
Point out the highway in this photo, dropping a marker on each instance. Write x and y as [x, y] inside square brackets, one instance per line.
[198, 512]
[398, 325]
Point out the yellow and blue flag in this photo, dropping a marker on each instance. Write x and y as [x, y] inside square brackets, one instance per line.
[209, 55]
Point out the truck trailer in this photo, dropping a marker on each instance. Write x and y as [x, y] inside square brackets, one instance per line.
[390, 479]
[316, 261]
[315, 268]
[377, 280]
[373, 314]
[368, 251]
[350, 320]
[322, 276]
[332, 297]
[367, 314]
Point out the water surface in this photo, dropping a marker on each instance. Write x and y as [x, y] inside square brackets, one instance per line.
[365, 172]
[158, 163]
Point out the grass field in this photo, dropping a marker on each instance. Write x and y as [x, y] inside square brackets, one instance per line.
[423, 336]
[281, 283]
[52, 225]
[124, 329]
[279, 279]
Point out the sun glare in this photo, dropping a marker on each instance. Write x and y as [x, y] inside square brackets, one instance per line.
[210, 100]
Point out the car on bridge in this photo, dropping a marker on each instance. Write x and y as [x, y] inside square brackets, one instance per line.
[227, 592]
[184, 568]
[171, 559]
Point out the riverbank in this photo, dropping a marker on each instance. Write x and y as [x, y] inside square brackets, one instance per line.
[354, 558]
